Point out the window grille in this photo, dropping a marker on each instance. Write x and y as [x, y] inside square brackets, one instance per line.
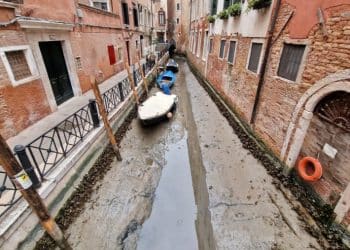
[18, 63]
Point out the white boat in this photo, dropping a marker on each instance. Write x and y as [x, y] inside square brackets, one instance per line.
[157, 108]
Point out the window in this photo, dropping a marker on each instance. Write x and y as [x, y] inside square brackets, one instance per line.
[141, 18]
[211, 45]
[214, 6]
[100, 4]
[136, 18]
[178, 6]
[227, 3]
[120, 54]
[291, 58]
[192, 43]
[125, 10]
[19, 64]
[161, 16]
[199, 45]
[177, 20]
[222, 48]
[205, 53]
[254, 59]
[195, 42]
[231, 51]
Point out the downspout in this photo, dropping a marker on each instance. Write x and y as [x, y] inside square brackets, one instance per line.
[264, 62]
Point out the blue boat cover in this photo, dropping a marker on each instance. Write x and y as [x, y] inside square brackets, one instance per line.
[166, 80]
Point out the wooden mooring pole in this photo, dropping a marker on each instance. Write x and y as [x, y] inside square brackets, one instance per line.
[25, 186]
[145, 83]
[132, 83]
[104, 116]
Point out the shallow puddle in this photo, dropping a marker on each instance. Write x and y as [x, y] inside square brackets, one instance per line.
[172, 221]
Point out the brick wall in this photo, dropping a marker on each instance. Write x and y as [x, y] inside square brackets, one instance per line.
[336, 172]
[91, 46]
[325, 55]
[22, 105]
[234, 81]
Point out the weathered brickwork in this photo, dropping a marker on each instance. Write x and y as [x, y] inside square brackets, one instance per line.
[324, 56]
[336, 172]
[18, 111]
[234, 81]
[85, 52]
[22, 105]
[327, 52]
[88, 45]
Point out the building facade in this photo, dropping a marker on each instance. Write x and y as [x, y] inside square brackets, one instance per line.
[283, 66]
[50, 50]
[179, 18]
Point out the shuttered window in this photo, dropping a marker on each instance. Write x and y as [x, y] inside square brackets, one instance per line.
[125, 10]
[254, 57]
[227, 3]
[231, 52]
[214, 6]
[222, 48]
[292, 55]
[210, 45]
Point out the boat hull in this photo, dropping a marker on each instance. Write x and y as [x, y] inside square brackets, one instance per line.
[156, 108]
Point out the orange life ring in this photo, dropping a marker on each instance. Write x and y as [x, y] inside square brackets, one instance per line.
[310, 169]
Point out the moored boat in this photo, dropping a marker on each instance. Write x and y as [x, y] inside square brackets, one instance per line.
[172, 66]
[166, 80]
[156, 108]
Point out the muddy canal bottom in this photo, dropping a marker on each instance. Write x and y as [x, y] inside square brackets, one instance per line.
[172, 221]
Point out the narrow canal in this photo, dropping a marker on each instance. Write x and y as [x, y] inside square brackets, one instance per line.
[172, 221]
[184, 183]
[180, 218]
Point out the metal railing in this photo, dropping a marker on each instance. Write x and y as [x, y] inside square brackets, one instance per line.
[53, 146]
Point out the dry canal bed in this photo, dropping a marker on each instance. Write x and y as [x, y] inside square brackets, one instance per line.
[185, 184]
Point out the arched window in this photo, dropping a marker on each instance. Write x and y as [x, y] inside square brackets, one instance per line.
[335, 108]
[161, 17]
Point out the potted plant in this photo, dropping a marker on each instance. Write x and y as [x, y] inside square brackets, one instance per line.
[258, 4]
[211, 19]
[223, 14]
[235, 9]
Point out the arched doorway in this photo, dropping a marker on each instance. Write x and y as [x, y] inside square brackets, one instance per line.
[328, 139]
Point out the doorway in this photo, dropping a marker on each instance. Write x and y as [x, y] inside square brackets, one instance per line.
[57, 72]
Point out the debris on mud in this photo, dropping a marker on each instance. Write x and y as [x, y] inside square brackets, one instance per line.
[75, 204]
[328, 235]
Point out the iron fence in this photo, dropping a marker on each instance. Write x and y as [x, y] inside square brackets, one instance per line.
[52, 147]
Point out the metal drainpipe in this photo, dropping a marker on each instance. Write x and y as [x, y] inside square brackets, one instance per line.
[264, 62]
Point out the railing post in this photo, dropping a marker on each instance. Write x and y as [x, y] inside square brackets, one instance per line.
[24, 185]
[134, 75]
[27, 166]
[94, 113]
[144, 69]
[121, 92]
